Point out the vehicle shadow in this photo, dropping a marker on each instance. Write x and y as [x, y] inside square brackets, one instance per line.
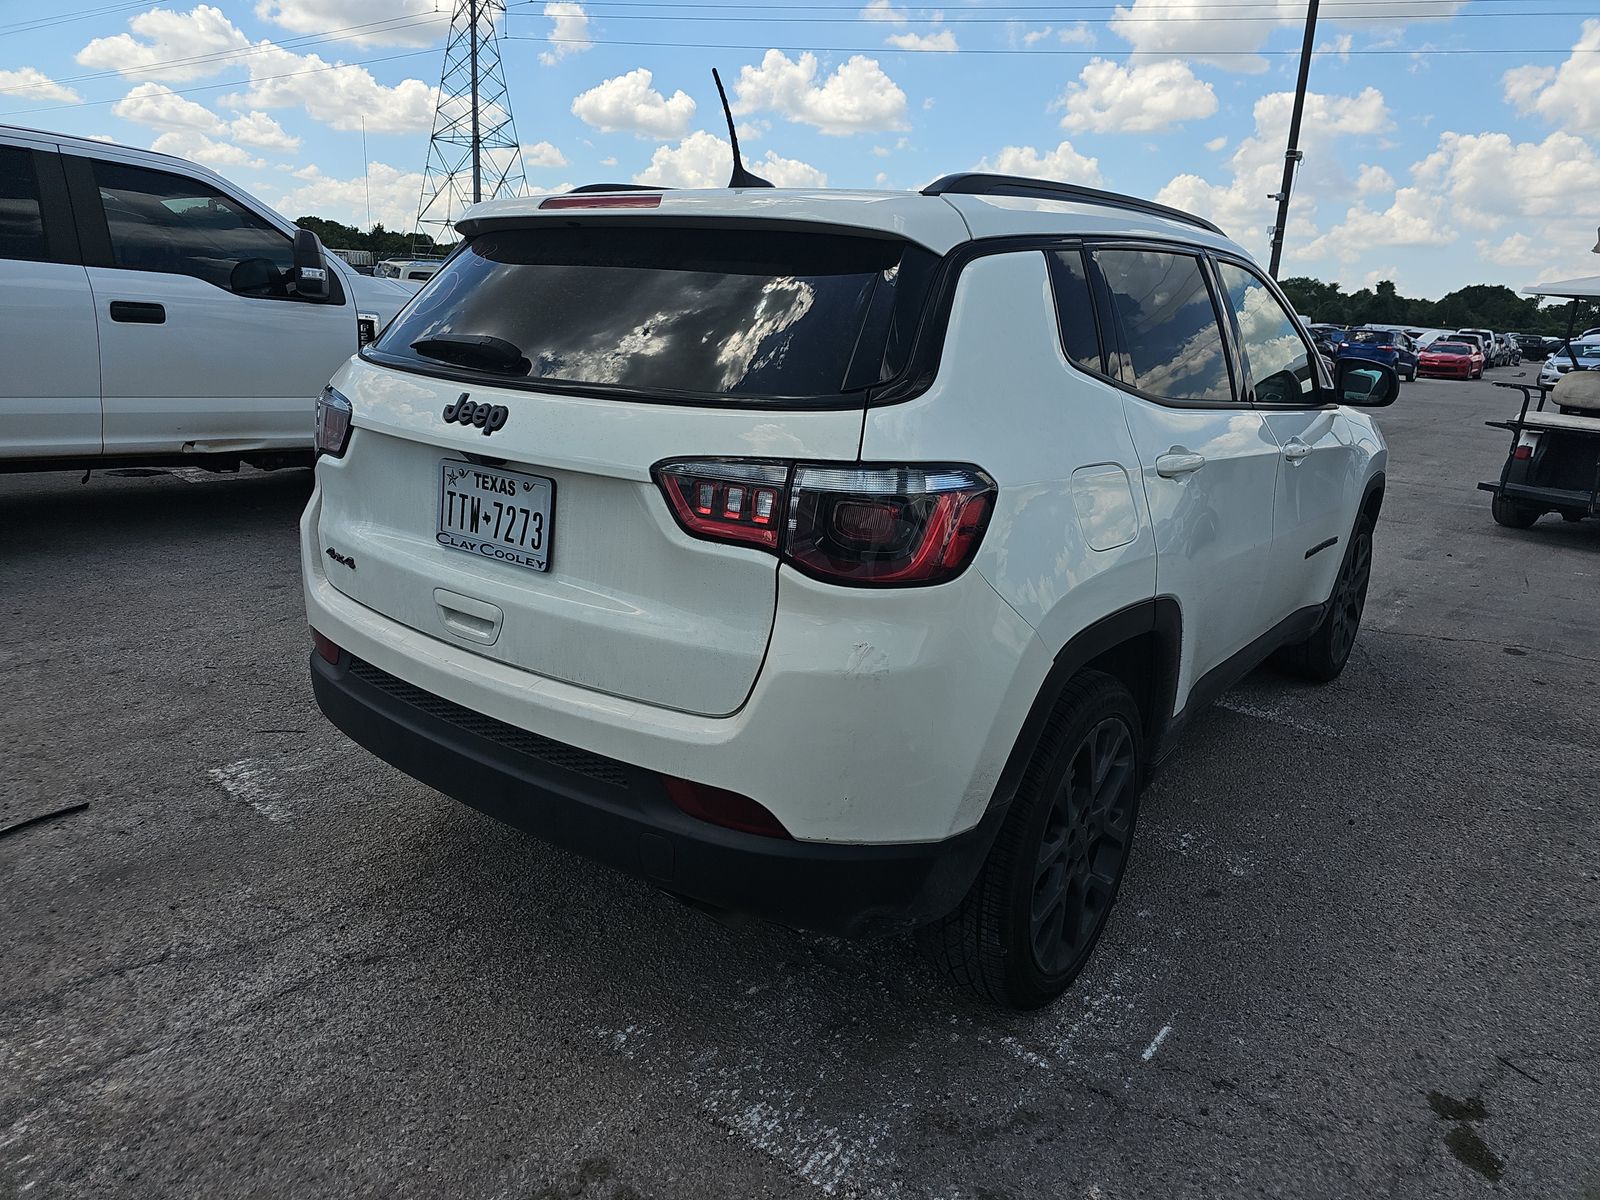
[49, 514]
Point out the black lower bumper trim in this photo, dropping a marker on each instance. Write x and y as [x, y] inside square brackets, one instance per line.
[620, 815]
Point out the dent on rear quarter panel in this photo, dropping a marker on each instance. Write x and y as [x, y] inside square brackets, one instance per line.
[1007, 399]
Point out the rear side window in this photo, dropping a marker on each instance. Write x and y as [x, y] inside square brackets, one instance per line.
[1080, 337]
[21, 222]
[747, 313]
[180, 226]
[1171, 344]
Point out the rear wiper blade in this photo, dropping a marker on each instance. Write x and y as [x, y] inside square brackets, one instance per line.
[477, 350]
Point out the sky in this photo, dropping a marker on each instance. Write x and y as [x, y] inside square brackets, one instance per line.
[1446, 142]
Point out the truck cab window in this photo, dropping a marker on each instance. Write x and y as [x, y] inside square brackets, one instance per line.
[180, 226]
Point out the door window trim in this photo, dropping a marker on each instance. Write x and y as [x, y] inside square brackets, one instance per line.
[1318, 399]
[94, 232]
[1101, 293]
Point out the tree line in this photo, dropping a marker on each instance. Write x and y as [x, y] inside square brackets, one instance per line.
[384, 243]
[1480, 306]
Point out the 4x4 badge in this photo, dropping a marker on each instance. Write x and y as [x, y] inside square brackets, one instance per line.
[487, 417]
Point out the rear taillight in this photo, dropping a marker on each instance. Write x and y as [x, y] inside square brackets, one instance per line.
[1522, 453]
[868, 525]
[333, 423]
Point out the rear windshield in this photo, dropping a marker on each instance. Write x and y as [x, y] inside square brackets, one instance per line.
[748, 313]
[1451, 348]
[1364, 336]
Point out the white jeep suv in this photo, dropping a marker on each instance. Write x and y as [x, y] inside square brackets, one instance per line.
[152, 312]
[845, 558]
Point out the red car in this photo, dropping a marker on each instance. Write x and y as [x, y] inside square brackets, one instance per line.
[1451, 360]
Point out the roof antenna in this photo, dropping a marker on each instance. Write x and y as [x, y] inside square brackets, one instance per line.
[741, 177]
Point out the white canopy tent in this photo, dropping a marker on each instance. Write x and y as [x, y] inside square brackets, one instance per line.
[1586, 288]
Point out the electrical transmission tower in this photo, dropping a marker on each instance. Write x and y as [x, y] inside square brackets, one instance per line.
[473, 154]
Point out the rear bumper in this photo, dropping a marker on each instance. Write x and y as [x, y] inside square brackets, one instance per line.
[621, 815]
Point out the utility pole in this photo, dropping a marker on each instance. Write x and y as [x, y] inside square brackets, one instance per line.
[477, 141]
[473, 154]
[1293, 155]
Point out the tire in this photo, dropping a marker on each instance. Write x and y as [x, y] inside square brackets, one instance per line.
[1033, 915]
[1511, 514]
[1321, 658]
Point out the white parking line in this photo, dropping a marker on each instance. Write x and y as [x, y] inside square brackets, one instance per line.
[1150, 1050]
[249, 781]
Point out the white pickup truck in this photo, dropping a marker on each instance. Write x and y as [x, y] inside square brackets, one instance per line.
[151, 312]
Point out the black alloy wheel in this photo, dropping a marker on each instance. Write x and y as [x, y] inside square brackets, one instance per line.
[1323, 655]
[1032, 917]
[1087, 829]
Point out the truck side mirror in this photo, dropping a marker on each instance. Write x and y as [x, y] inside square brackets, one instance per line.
[1362, 383]
[310, 267]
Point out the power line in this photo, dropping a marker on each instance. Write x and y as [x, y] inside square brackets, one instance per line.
[1166, 53]
[1185, 20]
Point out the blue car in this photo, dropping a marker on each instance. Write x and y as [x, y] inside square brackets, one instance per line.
[1391, 346]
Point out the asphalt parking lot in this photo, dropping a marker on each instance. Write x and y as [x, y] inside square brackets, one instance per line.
[1357, 953]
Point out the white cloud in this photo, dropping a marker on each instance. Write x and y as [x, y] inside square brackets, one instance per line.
[1567, 96]
[627, 103]
[1415, 218]
[885, 11]
[166, 45]
[159, 107]
[1183, 27]
[1079, 35]
[703, 160]
[942, 41]
[1108, 98]
[1379, 275]
[1034, 36]
[1488, 178]
[543, 154]
[33, 84]
[394, 197]
[1240, 205]
[1217, 143]
[1372, 179]
[858, 96]
[340, 95]
[258, 129]
[388, 22]
[1518, 250]
[1339, 47]
[569, 30]
[195, 146]
[1063, 163]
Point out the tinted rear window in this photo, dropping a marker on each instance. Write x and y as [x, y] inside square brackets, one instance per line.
[1372, 337]
[746, 313]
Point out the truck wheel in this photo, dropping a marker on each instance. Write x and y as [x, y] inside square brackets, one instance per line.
[1322, 656]
[1033, 915]
[1511, 514]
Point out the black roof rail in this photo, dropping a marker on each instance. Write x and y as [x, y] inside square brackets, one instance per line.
[616, 187]
[977, 183]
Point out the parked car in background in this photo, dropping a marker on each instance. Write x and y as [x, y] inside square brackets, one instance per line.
[1446, 359]
[1389, 346]
[1493, 352]
[1530, 346]
[1424, 338]
[153, 312]
[661, 506]
[1478, 339]
[409, 269]
[1511, 352]
[1579, 356]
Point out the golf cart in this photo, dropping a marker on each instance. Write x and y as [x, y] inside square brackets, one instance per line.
[1553, 464]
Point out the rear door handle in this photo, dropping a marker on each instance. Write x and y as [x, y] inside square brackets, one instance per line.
[1173, 466]
[137, 312]
[1296, 451]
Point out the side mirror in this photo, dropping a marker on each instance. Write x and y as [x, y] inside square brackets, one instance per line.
[1362, 383]
[310, 267]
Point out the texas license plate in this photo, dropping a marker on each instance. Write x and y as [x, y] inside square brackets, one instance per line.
[496, 514]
